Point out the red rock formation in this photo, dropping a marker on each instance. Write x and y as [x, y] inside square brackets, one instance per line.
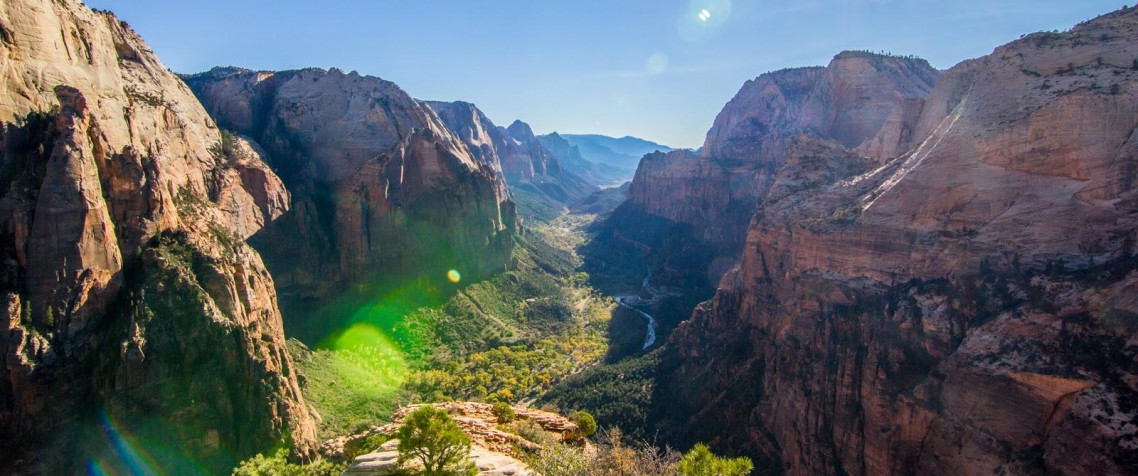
[965, 308]
[381, 186]
[862, 101]
[132, 303]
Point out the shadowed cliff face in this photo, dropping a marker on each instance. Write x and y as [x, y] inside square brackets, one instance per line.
[381, 188]
[531, 171]
[123, 211]
[967, 307]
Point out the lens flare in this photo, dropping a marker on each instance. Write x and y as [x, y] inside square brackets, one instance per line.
[657, 63]
[126, 451]
[702, 17]
[453, 276]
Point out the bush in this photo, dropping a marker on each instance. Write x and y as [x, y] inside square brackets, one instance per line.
[532, 431]
[561, 460]
[610, 458]
[369, 444]
[431, 437]
[586, 424]
[278, 465]
[700, 461]
[503, 412]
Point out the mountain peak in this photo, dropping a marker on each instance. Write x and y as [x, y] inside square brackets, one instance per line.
[521, 131]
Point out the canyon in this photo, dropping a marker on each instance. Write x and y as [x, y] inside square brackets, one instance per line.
[869, 267]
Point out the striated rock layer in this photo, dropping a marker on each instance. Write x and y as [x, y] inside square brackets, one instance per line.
[381, 187]
[968, 307]
[531, 171]
[134, 313]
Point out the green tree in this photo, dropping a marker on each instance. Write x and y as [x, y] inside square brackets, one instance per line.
[586, 424]
[700, 461]
[430, 436]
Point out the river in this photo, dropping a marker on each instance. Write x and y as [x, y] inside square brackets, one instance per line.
[650, 335]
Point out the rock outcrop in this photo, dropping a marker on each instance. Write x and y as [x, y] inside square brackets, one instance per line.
[134, 313]
[495, 452]
[532, 172]
[381, 187]
[967, 307]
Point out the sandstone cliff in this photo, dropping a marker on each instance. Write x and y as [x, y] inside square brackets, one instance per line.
[967, 307]
[540, 185]
[132, 305]
[702, 201]
[381, 187]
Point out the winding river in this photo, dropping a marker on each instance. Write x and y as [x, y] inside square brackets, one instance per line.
[650, 336]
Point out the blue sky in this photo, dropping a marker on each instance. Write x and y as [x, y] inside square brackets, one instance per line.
[647, 68]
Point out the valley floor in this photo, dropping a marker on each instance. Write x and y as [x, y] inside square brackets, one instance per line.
[512, 338]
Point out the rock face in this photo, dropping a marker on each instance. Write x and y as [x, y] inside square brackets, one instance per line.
[381, 187]
[132, 304]
[531, 171]
[967, 307]
[861, 101]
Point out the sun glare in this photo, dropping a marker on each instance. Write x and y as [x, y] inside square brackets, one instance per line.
[704, 15]
[453, 276]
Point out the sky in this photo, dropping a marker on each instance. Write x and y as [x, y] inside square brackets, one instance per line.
[655, 69]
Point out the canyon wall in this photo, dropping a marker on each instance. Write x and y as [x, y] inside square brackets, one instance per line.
[133, 311]
[948, 287]
[861, 101]
[382, 190]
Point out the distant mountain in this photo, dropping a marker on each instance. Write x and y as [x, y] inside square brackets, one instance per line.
[540, 186]
[624, 152]
[597, 169]
[602, 201]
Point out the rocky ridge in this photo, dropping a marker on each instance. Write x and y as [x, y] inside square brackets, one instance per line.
[591, 169]
[381, 187]
[123, 214]
[528, 167]
[966, 307]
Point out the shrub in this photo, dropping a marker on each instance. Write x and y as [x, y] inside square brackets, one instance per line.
[561, 460]
[430, 436]
[503, 412]
[700, 461]
[532, 431]
[278, 465]
[369, 444]
[586, 424]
